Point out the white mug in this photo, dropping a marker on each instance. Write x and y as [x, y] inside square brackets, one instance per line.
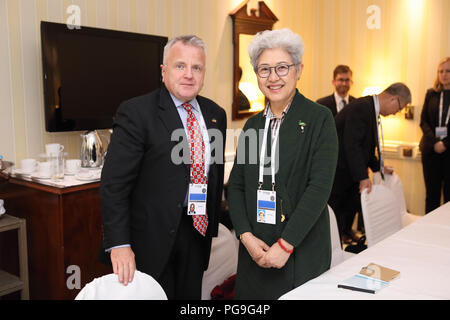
[53, 148]
[28, 165]
[73, 166]
[45, 169]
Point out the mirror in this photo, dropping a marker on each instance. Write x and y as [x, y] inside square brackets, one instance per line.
[247, 98]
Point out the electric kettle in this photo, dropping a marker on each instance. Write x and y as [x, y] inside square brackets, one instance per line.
[92, 150]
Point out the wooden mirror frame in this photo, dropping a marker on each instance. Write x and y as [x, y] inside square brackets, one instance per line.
[247, 24]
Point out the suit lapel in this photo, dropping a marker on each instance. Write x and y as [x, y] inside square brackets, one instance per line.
[334, 105]
[168, 112]
[169, 116]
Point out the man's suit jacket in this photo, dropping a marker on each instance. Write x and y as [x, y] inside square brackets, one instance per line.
[356, 126]
[330, 103]
[142, 190]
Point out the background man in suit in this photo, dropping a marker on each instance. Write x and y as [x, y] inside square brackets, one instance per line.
[144, 189]
[342, 82]
[358, 133]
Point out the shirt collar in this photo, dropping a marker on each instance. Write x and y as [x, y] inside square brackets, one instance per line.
[338, 98]
[377, 105]
[268, 111]
[179, 103]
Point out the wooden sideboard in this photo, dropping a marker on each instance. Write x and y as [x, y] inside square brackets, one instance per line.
[64, 233]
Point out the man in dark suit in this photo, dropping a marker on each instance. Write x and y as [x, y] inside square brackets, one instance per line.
[342, 82]
[161, 141]
[358, 134]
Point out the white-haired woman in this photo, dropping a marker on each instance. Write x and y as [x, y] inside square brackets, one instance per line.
[291, 243]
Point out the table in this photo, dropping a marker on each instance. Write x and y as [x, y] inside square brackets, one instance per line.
[420, 251]
[64, 232]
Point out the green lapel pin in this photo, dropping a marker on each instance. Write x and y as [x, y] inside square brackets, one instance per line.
[302, 126]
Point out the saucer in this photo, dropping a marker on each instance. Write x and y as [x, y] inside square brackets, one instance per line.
[85, 177]
[39, 176]
[19, 171]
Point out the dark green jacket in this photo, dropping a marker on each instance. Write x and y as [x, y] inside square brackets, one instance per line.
[307, 163]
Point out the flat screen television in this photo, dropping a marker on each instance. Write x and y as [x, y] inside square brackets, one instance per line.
[88, 72]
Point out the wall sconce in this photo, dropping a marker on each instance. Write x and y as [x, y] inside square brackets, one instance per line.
[409, 112]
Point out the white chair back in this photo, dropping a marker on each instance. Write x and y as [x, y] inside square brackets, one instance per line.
[393, 182]
[108, 287]
[381, 213]
[337, 254]
[222, 261]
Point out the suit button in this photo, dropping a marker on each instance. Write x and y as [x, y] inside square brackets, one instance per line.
[179, 205]
[172, 232]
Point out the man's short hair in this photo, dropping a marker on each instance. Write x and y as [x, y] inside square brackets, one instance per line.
[400, 90]
[186, 40]
[342, 69]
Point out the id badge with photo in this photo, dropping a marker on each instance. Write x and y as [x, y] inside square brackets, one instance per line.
[197, 199]
[266, 207]
[441, 132]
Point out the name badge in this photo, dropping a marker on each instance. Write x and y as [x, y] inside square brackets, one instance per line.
[197, 199]
[266, 207]
[441, 132]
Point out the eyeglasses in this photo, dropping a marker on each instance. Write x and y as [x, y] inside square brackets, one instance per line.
[343, 80]
[399, 105]
[281, 70]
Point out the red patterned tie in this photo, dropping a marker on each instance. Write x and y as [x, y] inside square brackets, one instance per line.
[197, 162]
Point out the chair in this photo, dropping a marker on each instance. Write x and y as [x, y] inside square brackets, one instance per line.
[108, 287]
[222, 262]
[337, 254]
[393, 182]
[381, 213]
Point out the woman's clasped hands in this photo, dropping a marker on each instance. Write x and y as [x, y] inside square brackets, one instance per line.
[263, 255]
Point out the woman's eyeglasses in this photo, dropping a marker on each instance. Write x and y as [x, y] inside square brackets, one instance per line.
[281, 70]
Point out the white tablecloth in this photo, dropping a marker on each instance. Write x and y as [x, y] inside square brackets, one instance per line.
[420, 251]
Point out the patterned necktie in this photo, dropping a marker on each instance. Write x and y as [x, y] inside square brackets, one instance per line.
[197, 162]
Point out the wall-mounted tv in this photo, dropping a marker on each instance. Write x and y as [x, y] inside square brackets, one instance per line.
[88, 72]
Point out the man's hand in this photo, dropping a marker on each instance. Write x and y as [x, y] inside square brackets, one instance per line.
[123, 263]
[439, 147]
[255, 247]
[363, 184]
[388, 170]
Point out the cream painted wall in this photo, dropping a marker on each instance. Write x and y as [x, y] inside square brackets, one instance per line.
[414, 36]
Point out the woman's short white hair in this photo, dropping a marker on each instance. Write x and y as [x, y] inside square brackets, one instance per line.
[272, 39]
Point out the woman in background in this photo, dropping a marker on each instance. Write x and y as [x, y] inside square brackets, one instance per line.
[435, 142]
[289, 243]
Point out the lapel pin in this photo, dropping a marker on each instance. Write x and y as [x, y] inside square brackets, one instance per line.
[302, 126]
[214, 120]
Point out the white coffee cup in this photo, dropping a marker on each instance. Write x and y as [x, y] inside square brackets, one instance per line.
[53, 148]
[28, 165]
[73, 166]
[45, 169]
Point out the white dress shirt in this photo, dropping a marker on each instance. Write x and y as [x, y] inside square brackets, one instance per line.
[339, 101]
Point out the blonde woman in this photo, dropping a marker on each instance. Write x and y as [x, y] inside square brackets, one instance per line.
[435, 142]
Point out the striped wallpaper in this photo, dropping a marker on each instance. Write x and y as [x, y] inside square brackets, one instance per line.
[413, 36]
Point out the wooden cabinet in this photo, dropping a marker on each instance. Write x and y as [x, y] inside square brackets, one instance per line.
[64, 233]
[10, 283]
